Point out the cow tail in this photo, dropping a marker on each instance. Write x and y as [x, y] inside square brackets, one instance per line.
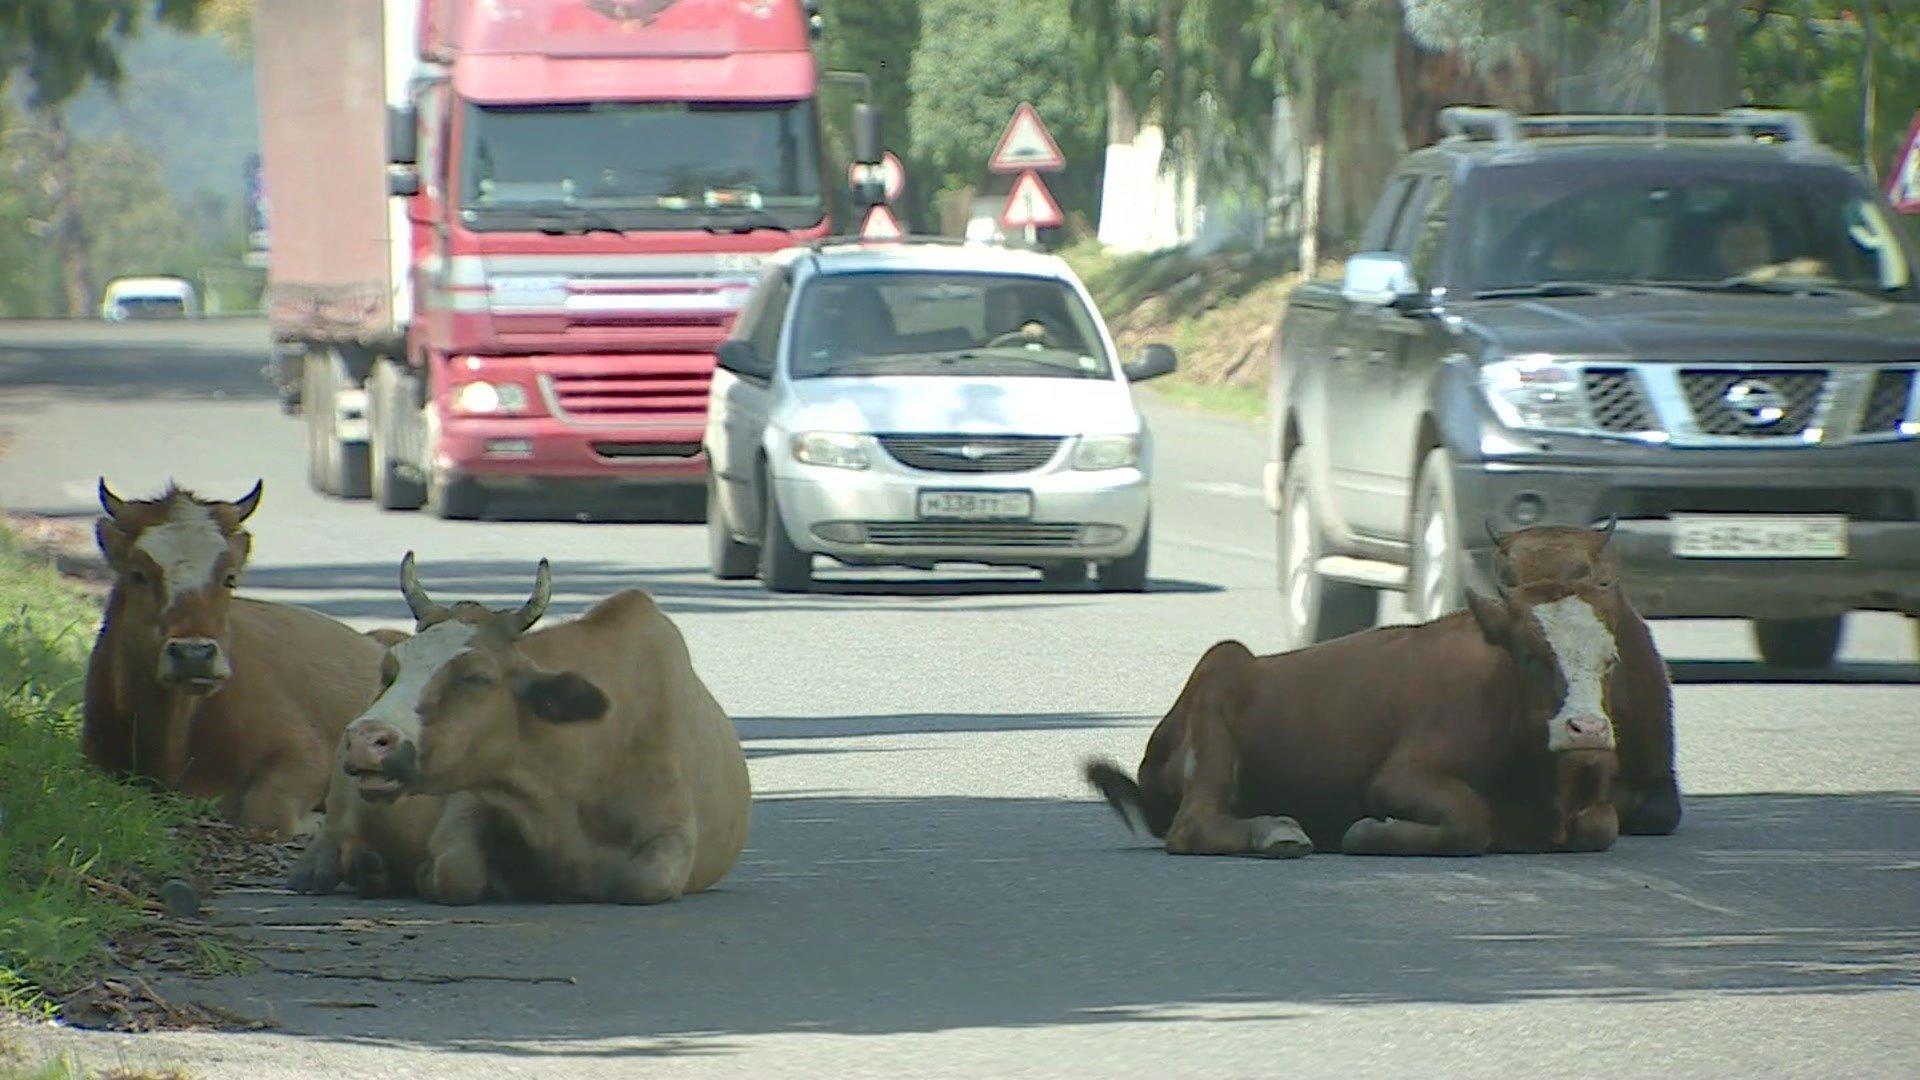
[1121, 793]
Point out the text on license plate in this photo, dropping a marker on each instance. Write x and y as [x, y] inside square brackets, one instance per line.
[1759, 536]
[977, 505]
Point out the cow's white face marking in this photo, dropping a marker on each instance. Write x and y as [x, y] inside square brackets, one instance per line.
[1585, 649]
[186, 547]
[420, 658]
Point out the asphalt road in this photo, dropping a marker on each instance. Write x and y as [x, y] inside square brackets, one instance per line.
[929, 890]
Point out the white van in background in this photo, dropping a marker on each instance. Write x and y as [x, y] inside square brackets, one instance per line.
[149, 298]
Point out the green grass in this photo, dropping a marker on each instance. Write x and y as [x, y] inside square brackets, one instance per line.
[1240, 402]
[63, 821]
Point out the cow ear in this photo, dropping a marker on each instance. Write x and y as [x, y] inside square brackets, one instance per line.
[113, 542]
[564, 698]
[1496, 623]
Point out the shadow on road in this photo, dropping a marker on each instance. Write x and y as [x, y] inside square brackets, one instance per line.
[876, 916]
[1739, 673]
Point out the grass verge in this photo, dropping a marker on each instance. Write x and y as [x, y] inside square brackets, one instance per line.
[73, 843]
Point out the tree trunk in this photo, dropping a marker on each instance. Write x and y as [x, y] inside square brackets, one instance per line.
[70, 229]
[1702, 76]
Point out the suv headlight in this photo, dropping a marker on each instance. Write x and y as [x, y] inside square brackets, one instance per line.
[484, 398]
[832, 449]
[1107, 452]
[1534, 392]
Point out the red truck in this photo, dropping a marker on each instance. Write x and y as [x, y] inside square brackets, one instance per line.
[508, 235]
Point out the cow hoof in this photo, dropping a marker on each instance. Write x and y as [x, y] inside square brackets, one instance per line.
[370, 875]
[181, 899]
[1279, 838]
[316, 872]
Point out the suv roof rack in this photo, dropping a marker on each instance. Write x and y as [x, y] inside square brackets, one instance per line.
[1503, 128]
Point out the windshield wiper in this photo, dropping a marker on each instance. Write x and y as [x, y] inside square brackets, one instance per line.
[1783, 287]
[574, 221]
[1542, 289]
[743, 220]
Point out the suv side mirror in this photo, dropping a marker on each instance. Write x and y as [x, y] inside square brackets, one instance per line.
[740, 357]
[403, 136]
[1378, 279]
[1153, 362]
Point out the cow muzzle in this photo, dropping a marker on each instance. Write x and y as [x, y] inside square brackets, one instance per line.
[196, 664]
[1581, 733]
[380, 760]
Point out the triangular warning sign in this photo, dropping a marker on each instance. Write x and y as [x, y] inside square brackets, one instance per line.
[1026, 144]
[1030, 203]
[881, 225]
[1903, 184]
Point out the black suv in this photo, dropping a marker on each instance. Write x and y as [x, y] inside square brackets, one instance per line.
[1705, 327]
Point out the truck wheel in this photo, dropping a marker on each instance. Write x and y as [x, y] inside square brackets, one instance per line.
[388, 405]
[1129, 573]
[729, 559]
[783, 567]
[455, 498]
[333, 467]
[1799, 643]
[1313, 608]
[1436, 580]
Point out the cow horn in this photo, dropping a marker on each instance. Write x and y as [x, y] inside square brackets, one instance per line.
[1493, 534]
[536, 604]
[249, 502]
[423, 606]
[1606, 531]
[110, 502]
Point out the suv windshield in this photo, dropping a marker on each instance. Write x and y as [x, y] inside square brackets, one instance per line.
[912, 323]
[1686, 223]
[641, 165]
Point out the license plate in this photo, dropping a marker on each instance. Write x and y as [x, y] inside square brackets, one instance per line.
[977, 505]
[1754, 536]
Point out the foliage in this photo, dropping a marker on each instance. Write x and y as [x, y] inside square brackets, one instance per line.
[1806, 54]
[64, 822]
[62, 45]
[875, 38]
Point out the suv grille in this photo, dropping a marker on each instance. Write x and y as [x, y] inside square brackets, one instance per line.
[965, 454]
[1754, 404]
[1618, 402]
[1887, 402]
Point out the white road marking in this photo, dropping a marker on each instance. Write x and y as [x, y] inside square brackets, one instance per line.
[1225, 488]
[1218, 549]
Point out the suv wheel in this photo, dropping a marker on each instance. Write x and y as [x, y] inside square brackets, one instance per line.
[1799, 643]
[783, 567]
[1313, 608]
[1436, 579]
[729, 559]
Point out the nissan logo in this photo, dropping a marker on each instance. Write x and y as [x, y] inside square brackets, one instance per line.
[1755, 402]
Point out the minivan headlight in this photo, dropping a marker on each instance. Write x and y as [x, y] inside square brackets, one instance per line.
[1107, 452]
[1532, 392]
[832, 449]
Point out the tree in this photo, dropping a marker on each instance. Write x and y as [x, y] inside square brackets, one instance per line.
[875, 38]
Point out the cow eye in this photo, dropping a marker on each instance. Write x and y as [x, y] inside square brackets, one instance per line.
[233, 581]
[138, 577]
[1507, 576]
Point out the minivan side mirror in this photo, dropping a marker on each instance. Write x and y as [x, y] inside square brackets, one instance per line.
[1378, 279]
[1153, 362]
[740, 357]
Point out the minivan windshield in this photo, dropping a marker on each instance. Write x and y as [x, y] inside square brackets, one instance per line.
[1687, 223]
[926, 323]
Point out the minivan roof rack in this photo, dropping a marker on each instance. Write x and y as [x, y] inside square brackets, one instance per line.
[1503, 127]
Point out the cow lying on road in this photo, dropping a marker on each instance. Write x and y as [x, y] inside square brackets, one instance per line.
[202, 692]
[584, 762]
[1486, 730]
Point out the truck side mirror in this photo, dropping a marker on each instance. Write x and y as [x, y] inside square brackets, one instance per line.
[403, 136]
[740, 357]
[404, 182]
[867, 148]
[1378, 279]
[1153, 362]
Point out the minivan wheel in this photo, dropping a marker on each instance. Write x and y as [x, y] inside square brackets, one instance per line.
[1064, 574]
[729, 559]
[1313, 608]
[1436, 580]
[784, 568]
[1129, 572]
[1799, 643]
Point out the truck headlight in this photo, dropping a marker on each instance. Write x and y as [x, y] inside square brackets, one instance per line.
[1534, 392]
[832, 449]
[1107, 452]
[486, 398]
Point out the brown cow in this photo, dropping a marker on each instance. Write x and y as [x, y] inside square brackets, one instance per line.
[1485, 730]
[584, 762]
[201, 692]
[1639, 692]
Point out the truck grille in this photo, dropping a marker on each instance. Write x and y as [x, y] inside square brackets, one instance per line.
[1887, 402]
[1752, 404]
[972, 454]
[1618, 402]
[971, 534]
[599, 392]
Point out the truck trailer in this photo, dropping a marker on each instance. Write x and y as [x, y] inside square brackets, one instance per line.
[508, 235]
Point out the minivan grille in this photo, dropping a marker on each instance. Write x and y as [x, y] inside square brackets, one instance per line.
[971, 534]
[972, 454]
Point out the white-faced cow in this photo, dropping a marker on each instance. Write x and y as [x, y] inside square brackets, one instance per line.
[583, 762]
[1491, 729]
[198, 691]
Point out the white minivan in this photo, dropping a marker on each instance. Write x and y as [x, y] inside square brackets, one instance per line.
[919, 403]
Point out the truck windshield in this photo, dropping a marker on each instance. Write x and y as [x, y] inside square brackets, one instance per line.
[914, 323]
[1689, 224]
[726, 166]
